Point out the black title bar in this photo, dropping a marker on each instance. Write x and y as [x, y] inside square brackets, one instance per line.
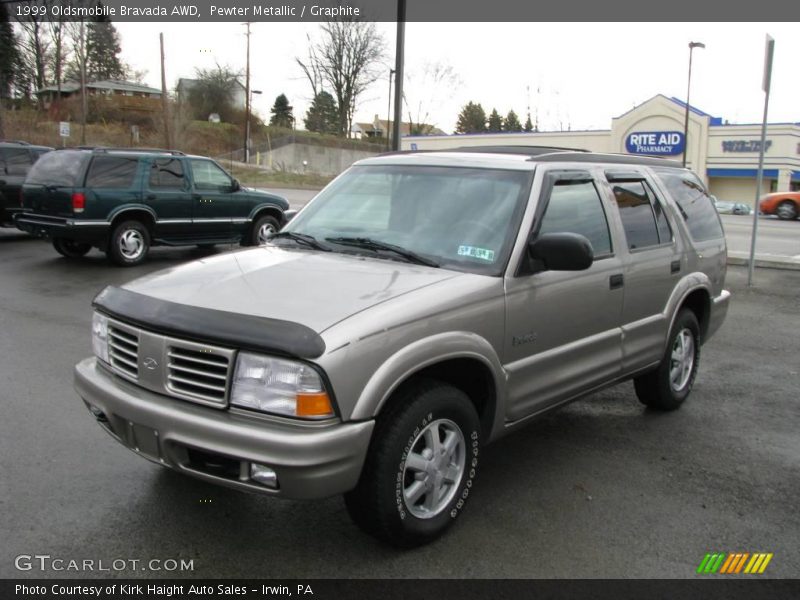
[416, 10]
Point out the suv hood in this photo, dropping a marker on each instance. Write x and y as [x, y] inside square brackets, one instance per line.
[314, 289]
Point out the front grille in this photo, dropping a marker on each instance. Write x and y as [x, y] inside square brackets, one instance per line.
[198, 373]
[123, 351]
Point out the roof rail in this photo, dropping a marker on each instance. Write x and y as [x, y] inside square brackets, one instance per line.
[142, 150]
[620, 159]
[20, 142]
[510, 149]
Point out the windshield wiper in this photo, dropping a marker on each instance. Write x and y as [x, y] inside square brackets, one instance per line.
[303, 238]
[370, 244]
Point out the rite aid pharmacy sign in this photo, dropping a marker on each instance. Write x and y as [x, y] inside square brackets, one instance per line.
[658, 143]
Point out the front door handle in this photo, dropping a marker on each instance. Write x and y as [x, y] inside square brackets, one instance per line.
[674, 266]
[616, 281]
[151, 196]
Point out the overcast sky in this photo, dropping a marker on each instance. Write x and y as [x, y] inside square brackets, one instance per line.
[572, 75]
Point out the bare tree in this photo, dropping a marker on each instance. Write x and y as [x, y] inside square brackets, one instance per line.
[35, 48]
[428, 87]
[311, 69]
[347, 58]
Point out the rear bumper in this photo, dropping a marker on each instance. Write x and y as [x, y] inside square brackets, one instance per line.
[92, 232]
[311, 461]
[719, 310]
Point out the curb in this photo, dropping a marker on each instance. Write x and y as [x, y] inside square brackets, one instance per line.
[766, 263]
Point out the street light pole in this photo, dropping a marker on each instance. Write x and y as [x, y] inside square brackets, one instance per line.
[692, 46]
[398, 74]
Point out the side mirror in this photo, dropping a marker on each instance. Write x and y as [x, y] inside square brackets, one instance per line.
[288, 215]
[235, 185]
[562, 252]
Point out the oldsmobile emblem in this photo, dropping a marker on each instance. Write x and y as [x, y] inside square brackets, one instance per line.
[150, 363]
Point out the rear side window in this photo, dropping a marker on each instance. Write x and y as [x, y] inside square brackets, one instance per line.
[575, 207]
[112, 172]
[59, 168]
[642, 215]
[695, 205]
[167, 173]
[14, 161]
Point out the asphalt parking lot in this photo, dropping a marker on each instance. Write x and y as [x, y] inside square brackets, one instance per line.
[602, 488]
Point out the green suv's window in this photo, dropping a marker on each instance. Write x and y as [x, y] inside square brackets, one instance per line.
[167, 173]
[460, 218]
[112, 172]
[208, 175]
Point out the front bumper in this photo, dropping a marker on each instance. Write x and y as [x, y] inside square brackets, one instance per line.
[310, 460]
[719, 310]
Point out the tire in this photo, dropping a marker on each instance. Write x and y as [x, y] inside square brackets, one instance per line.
[671, 382]
[71, 248]
[129, 244]
[262, 227]
[787, 210]
[394, 499]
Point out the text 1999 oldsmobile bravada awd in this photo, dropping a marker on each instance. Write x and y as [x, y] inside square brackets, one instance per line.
[419, 307]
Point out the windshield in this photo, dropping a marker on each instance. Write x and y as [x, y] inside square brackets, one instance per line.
[458, 218]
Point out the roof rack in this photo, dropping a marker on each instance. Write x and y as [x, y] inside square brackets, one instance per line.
[20, 142]
[142, 150]
[524, 150]
[620, 159]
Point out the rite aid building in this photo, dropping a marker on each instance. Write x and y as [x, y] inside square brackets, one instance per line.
[726, 156]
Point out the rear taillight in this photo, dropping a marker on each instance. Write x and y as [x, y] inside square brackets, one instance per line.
[78, 202]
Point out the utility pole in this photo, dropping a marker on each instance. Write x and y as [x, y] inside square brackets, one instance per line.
[164, 99]
[82, 61]
[247, 100]
[398, 74]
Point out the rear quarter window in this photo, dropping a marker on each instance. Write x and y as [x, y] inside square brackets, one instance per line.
[112, 172]
[694, 203]
[58, 168]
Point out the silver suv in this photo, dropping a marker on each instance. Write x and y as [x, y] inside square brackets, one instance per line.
[421, 306]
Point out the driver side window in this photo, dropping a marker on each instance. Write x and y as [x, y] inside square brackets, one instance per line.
[575, 207]
[209, 176]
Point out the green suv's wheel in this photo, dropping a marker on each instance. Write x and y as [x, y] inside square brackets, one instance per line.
[70, 248]
[669, 385]
[129, 244]
[420, 467]
[263, 228]
[787, 210]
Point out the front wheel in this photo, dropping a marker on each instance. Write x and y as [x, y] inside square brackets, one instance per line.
[670, 383]
[263, 228]
[420, 467]
[129, 244]
[787, 210]
[71, 248]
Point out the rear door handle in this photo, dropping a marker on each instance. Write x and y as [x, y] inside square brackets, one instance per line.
[675, 266]
[616, 281]
[151, 196]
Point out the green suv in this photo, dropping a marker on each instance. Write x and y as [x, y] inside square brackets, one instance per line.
[123, 201]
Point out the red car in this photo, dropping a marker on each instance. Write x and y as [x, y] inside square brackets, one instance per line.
[784, 204]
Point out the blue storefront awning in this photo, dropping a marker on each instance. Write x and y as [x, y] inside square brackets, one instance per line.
[749, 173]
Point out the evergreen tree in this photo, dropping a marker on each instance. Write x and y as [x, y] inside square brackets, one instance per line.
[9, 53]
[102, 51]
[322, 116]
[472, 119]
[281, 113]
[495, 122]
[528, 124]
[511, 122]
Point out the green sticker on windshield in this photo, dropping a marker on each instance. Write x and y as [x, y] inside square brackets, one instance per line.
[479, 253]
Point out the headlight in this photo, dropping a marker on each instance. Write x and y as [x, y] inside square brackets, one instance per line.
[279, 386]
[100, 336]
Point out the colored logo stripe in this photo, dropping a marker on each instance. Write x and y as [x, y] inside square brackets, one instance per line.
[734, 563]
